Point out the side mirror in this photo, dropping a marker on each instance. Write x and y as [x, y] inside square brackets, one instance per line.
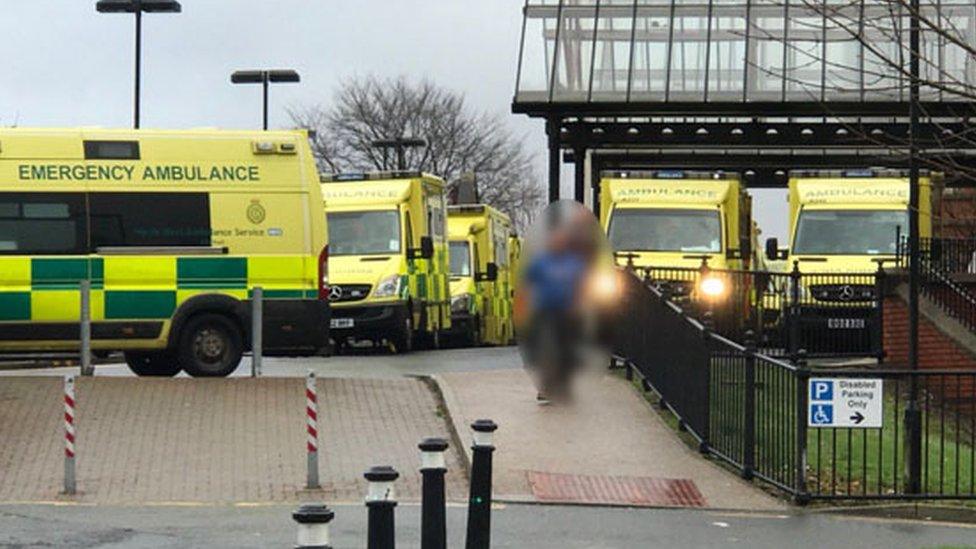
[426, 247]
[745, 246]
[772, 249]
[490, 274]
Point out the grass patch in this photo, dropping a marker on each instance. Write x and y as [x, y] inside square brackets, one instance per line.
[856, 462]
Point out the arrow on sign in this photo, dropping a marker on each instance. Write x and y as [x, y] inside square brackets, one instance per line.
[857, 418]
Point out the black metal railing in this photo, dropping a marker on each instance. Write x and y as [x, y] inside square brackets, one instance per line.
[749, 409]
[945, 265]
[827, 314]
[949, 255]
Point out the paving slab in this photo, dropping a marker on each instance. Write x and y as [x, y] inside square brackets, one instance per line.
[143, 440]
[608, 430]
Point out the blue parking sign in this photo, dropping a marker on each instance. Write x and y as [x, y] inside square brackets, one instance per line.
[821, 390]
[821, 414]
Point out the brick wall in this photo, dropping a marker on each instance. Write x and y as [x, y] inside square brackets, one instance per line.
[936, 350]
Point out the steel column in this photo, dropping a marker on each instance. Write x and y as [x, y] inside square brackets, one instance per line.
[552, 130]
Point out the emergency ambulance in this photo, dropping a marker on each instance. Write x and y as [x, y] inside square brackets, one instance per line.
[843, 225]
[845, 221]
[173, 230]
[389, 265]
[481, 274]
[673, 220]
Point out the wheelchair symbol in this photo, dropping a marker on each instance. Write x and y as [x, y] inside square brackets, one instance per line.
[822, 414]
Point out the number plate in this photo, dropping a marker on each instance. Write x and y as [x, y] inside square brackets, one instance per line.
[846, 323]
[341, 323]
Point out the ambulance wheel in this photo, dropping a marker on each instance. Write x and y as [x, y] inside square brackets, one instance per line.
[403, 340]
[159, 364]
[210, 346]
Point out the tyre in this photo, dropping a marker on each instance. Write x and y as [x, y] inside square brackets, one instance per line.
[210, 346]
[403, 340]
[158, 364]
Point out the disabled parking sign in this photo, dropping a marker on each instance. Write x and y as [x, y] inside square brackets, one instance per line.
[846, 402]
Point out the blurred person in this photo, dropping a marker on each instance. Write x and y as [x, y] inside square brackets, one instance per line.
[559, 299]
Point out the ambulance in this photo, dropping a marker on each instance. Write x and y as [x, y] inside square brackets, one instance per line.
[845, 221]
[481, 274]
[672, 220]
[173, 230]
[389, 267]
[843, 226]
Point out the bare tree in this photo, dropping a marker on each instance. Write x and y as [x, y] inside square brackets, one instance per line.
[459, 141]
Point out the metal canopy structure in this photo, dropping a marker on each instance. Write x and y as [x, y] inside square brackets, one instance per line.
[760, 85]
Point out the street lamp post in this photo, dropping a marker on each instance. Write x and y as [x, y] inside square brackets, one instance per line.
[400, 144]
[137, 7]
[265, 78]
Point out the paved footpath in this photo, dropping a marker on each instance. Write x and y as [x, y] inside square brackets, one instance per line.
[215, 440]
[608, 431]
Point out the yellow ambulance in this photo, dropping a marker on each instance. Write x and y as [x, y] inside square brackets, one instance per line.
[671, 222]
[673, 218]
[481, 275]
[173, 230]
[389, 258]
[845, 221]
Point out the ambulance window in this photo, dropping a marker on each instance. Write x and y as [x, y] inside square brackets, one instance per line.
[112, 150]
[150, 219]
[42, 223]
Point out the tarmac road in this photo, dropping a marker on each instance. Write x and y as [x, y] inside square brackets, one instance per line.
[513, 526]
[367, 363]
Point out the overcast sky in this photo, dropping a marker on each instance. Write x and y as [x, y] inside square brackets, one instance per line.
[67, 65]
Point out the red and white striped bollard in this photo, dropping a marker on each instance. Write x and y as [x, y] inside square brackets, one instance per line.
[312, 427]
[69, 435]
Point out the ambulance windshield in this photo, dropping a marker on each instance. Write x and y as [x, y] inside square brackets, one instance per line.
[364, 233]
[655, 230]
[849, 232]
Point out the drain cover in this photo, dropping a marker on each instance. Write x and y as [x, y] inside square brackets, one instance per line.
[613, 490]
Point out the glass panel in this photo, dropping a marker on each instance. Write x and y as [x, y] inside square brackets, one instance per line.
[611, 59]
[849, 232]
[364, 233]
[150, 219]
[766, 50]
[575, 53]
[536, 55]
[460, 254]
[641, 229]
[789, 42]
[650, 54]
[42, 223]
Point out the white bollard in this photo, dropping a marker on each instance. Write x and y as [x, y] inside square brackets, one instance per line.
[313, 526]
[257, 330]
[312, 427]
[69, 435]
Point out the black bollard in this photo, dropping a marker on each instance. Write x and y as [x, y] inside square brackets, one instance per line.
[313, 526]
[433, 519]
[381, 502]
[479, 503]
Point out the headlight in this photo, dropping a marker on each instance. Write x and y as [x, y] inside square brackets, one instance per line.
[461, 303]
[712, 286]
[388, 287]
[604, 285]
